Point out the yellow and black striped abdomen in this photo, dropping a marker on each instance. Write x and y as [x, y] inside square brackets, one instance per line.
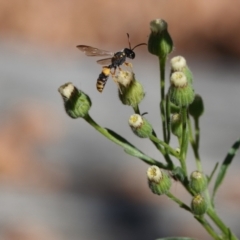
[102, 78]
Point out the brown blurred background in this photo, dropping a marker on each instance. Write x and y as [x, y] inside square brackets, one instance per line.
[209, 27]
[58, 178]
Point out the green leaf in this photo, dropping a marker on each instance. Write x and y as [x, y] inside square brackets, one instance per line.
[212, 173]
[226, 163]
[119, 138]
[176, 238]
[132, 150]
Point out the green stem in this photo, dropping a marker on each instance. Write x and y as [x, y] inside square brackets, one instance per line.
[136, 110]
[197, 132]
[215, 218]
[128, 147]
[194, 145]
[168, 113]
[201, 220]
[167, 147]
[179, 202]
[184, 142]
[162, 65]
[208, 227]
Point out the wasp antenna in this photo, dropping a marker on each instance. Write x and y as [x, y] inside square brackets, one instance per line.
[129, 41]
[139, 45]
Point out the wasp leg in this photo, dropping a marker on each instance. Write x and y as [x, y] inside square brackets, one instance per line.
[114, 71]
[128, 64]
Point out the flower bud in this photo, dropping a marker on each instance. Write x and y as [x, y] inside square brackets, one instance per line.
[196, 108]
[130, 91]
[140, 126]
[199, 205]
[181, 92]
[76, 102]
[179, 64]
[160, 42]
[198, 182]
[158, 180]
[176, 125]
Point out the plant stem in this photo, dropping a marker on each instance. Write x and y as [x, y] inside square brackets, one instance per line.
[128, 147]
[167, 147]
[179, 202]
[184, 142]
[162, 64]
[207, 226]
[168, 113]
[194, 145]
[215, 218]
[136, 110]
[197, 132]
[200, 219]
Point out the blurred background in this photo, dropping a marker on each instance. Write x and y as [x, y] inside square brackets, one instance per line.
[59, 179]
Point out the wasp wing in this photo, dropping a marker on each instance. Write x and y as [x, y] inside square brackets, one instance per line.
[105, 61]
[92, 51]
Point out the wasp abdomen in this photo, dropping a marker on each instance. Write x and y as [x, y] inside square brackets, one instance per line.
[102, 78]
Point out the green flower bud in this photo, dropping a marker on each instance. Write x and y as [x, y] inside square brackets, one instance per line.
[160, 42]
[158, 180]
[199, 205]
[140, 126]
[76, 102]
[178, 150]
[179, 64]
[130, 91]
[196, 108]
[176, 125]
[181, 92]
[198, 182]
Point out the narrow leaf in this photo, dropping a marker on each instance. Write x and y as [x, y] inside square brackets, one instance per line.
[226, 163]
[176, 238]
[212, 173]
[120, 138]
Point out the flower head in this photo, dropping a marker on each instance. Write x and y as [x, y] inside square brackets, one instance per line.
[76, 102]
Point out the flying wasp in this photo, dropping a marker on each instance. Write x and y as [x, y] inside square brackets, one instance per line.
[114, 60]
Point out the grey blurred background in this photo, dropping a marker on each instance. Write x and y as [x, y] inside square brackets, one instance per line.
[59, 179]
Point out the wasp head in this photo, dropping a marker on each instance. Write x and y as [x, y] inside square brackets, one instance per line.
[129, 53]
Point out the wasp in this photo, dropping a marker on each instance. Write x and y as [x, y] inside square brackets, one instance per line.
[114, 60]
